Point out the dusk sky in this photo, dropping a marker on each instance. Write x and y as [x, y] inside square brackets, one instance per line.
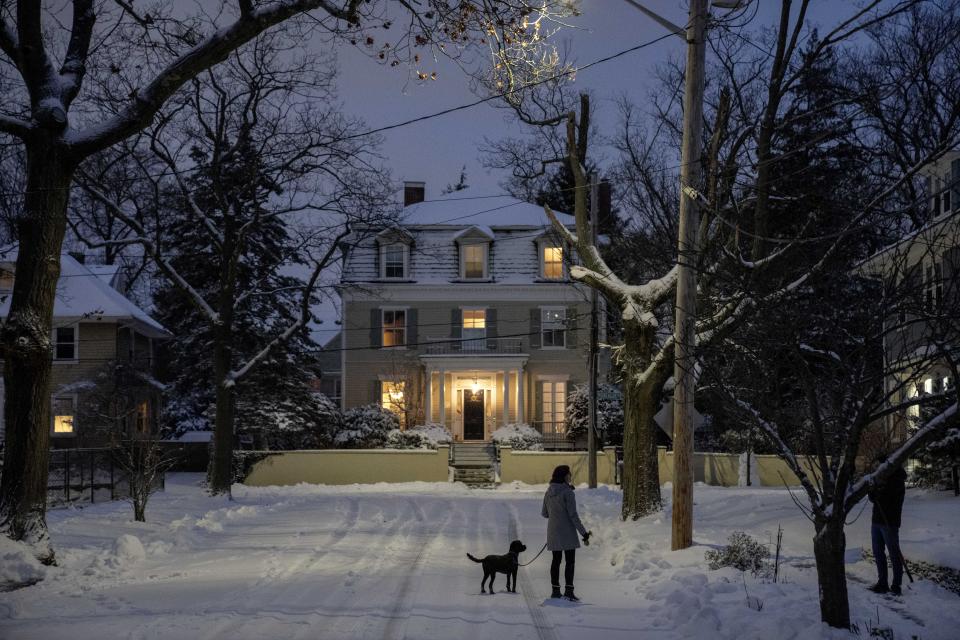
[435, 150]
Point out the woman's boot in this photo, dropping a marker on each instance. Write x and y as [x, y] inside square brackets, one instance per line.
[569, 595]
[556, 592]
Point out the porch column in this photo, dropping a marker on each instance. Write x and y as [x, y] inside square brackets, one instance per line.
[427, 398]
[520, 412]
[443, 403]
[506, 397]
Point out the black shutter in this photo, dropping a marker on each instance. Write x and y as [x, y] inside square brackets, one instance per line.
[951, 277]
[376, 333]
[377, 393]
[413, 335]
[538, 401]
[491, 327]
[535, 328]
[376, 260]
[456, 326]
[572, 333]
[955, 184]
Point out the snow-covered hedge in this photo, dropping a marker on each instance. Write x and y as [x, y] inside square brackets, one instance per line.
[365, 427]
[427, 436]
[521, 437]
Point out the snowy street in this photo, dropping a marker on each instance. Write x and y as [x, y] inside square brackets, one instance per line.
[389, 562]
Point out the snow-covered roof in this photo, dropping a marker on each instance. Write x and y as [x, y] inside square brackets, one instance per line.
[106, 272]
[470, 207]
[83, 293]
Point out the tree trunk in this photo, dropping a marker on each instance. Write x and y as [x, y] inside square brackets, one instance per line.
[26, 342]
[641, 473]
[829, 545]
[221, 476]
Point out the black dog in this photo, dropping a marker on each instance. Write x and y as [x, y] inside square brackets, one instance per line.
[508, 564]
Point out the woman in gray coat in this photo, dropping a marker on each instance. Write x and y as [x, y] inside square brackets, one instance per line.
[560, 508]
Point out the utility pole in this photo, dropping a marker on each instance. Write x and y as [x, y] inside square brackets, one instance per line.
[594, 344]
[686, 311]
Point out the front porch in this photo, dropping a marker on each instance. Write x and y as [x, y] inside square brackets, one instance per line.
[474, 396]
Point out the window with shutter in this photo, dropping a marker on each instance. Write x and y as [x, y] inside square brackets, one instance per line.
[394, 327]
[553, 327]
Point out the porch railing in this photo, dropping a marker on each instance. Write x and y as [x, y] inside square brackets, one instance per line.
[555, 436]
[473, 346]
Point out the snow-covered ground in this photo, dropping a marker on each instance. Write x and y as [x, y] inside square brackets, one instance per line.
[388, 561]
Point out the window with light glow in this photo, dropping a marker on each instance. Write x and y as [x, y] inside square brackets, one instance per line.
[554, 406]
[553, 263]
[474, 329]
[394, 327]
[474, 258]
[64, 410]
[392, 398]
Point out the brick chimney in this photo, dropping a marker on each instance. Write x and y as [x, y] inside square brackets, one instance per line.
[413, 192]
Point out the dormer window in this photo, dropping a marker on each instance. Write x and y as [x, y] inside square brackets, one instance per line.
[552, 262]
[394, 260]
[473, 258]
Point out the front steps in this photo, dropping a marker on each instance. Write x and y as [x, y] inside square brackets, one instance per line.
[474, 464]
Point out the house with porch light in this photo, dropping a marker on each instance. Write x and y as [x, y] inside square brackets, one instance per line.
[464, 315]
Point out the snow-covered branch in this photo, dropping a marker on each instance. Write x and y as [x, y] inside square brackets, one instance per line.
[146, 102]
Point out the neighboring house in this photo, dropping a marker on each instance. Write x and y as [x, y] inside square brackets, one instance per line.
[926, 263]
[102, 349]
[329, 362]
[464, 315]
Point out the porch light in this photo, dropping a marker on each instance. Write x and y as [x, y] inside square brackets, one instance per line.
[476, 384]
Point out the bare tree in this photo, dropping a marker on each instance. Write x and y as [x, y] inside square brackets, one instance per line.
[144, 461]
[751, 107]
[73, 92]
[246, 153]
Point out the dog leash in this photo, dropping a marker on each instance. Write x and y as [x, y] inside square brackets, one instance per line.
[534, 557]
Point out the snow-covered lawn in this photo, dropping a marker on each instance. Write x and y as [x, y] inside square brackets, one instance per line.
[388, 561]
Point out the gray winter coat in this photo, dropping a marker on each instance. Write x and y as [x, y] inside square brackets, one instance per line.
[560, 508]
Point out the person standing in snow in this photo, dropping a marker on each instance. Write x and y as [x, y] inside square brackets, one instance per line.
[887, 499]
[563, 524]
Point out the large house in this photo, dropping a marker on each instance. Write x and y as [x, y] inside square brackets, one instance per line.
[926, 264]
[464, 315]
[102, 350]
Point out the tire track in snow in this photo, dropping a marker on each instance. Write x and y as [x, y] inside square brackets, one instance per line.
[353, 624]
[230, 606]
[545, 629]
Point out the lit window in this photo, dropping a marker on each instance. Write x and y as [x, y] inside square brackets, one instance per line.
[928, 385]
[394, 327]
[554, 403]
[394, 259]
[913, 411]
[553, 263]
[474, 258]
[392, 398]
[64, 409]
[946, 383]
[933, 286]
[474, 329]
[65, 343]
[553, 327]
[143, 417]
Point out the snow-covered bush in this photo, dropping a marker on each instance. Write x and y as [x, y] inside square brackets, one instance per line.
[742, 553]
[427, 436]
[521, 437]
[365, 427]
[609, 413]
[284, 424]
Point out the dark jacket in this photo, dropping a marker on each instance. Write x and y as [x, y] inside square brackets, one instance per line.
[560, 506]
[887, 499]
